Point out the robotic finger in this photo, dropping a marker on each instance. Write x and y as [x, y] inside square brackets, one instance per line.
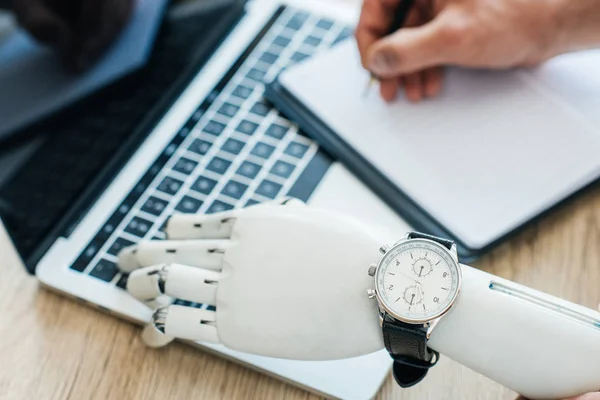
[187, 323]
[184, 282]
[199, 253]
[189, 283]
[181, 322]
[214, 226]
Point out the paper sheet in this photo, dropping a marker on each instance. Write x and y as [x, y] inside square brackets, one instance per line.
[34, 83]
[494, 150]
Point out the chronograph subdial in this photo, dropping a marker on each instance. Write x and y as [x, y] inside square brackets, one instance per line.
[422, 267]
[413, 295]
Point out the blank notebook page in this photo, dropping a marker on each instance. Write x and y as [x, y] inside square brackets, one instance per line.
[494, 150]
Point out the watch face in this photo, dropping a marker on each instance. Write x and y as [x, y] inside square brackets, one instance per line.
[417, 280]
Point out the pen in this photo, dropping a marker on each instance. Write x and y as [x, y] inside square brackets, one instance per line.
[398, 22]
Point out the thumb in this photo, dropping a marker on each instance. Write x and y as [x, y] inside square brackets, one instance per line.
[414, 49]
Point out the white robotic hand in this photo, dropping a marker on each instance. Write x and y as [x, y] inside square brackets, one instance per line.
[290, 281]
[281, 285]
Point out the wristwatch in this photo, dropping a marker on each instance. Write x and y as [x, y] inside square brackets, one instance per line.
[417, 281]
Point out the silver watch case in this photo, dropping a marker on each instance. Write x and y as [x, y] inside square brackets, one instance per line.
[428, 324]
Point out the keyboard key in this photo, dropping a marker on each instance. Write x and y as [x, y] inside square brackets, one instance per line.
[234, 189]
[345, 34]
[214, 127]
[248, 169]
[262, 150]
[122, 282]
[256, 74]
[104, 270]
[123, 209]
[251, 202]
[185, 166]
[297, 20]
[296, 149]
[196, 116]
[311, 40]
[276, 131]
[119, 245]
[324, 23]
[154, 206]
[172, 148]
[299, 56]
[138, 227]
[184, 132]
[268, 189]
[218, 206]
[79, 265]
[204, 185]
[163, 227]
[170, 185]
[108, 229]
[282, 41]
[218, 165]
[233, 146]
[242, 92]
[189, 205]
[260, 109]
[84, 259]
[282, 169]
[199, 146]
[228, 109]
[247, 127]
[275, 50]
[268, 58]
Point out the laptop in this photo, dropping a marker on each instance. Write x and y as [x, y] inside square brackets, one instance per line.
[190, 132]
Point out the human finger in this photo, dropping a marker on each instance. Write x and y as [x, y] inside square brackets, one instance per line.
[413, 49]
[375, 19]
[433, 80]
[413, 86]
[388, 89]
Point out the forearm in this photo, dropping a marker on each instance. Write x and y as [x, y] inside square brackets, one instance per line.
[578, 24]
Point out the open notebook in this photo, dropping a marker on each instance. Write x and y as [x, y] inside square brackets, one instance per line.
[495, 150]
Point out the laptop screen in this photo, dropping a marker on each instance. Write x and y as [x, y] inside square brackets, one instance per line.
[47, 183]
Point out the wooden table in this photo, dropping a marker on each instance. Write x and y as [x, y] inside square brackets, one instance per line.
[54, 348]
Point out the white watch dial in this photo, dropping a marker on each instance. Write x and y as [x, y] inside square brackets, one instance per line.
[417, 280]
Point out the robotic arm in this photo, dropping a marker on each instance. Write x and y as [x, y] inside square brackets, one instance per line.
[290, 281]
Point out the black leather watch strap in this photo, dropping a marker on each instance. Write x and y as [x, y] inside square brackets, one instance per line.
[444, 242]
[407, 344]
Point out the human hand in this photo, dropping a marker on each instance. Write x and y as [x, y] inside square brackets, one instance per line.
[81, 30]
[469, 33]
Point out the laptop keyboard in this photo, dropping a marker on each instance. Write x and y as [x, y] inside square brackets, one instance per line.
[236, 149]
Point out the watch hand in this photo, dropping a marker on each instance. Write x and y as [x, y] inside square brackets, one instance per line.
[409, 277]
[421, 271]
[421, 290]
[412, 298]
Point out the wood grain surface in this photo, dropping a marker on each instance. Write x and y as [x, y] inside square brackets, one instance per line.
[54, 348]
